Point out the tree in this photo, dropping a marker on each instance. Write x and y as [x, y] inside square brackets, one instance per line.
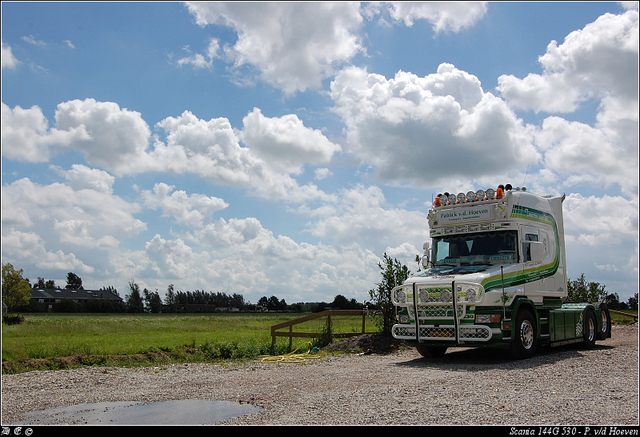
[342, 302]
[49, 283]
[272, 304]
[170, 299]
[110, 289]
[152, 301]
[237, 301]
[393, 274]
[16, 291]
[73, 282]
[582, 291]
[613, 302]
[134, 300]
[339, 301]
[633, 302]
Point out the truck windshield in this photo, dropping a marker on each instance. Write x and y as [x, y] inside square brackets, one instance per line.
[481, 249]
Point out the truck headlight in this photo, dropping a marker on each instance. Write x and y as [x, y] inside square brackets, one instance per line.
[471, 295]
[399, 296]
[472, 292]
[423, 296]
[445, 296]
[403, 318]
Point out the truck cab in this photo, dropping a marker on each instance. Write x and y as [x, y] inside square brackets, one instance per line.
[494, 275]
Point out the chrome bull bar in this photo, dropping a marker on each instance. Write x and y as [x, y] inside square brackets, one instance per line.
[437, 313]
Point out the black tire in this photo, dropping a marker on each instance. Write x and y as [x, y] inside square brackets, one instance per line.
[525, 336]
[605, 322]
[431, 351]
[589, 330]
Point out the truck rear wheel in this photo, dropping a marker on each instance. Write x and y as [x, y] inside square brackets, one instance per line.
[605, 322]
[431, 351]
[589, 330]
[525, 336]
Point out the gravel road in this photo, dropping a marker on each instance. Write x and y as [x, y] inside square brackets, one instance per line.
[559, 386]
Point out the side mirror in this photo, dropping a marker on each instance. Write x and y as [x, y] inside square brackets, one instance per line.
[425, 261]
[425, 256]
[536, 250]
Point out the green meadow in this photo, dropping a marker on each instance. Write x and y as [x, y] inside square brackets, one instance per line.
[62, 341]
[57, 341]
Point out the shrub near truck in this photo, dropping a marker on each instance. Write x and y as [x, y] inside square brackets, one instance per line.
[494, 276]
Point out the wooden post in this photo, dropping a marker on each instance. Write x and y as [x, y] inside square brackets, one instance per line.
[328, 313]
[290, 337]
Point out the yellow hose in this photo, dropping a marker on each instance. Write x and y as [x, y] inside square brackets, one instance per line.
[292, 357]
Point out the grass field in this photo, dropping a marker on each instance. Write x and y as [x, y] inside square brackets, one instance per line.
[53, 341]
[58, 341]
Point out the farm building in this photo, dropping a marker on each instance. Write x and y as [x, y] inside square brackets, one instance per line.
[51, 296]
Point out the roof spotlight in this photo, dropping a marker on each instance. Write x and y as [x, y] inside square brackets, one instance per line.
[471, 196]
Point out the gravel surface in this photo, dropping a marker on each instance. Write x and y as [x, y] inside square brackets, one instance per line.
[559, 386]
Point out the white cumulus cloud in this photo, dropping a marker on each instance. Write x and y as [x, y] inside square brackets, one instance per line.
[294, 46]
[429, 130]
[599, 61]
[192, 210]
[8, 60]
[444, 16]
[286, 142]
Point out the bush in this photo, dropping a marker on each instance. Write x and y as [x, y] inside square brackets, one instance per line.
[12, 319]
[393, 274]
[67, 306]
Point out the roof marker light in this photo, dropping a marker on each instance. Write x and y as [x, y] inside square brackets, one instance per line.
[437, 202]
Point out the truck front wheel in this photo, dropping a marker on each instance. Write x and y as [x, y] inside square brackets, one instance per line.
[525, 336]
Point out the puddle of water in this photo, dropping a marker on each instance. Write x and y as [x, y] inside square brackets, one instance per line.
[188, 412]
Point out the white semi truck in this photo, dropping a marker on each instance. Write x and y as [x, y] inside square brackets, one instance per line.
[494, 276]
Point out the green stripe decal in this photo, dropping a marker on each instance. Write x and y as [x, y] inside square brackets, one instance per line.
[539, 272]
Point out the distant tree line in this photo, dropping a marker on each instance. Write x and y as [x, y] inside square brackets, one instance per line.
[176, 301]
[17, 293]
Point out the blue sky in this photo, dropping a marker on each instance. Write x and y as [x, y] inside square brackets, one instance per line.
[283, 148]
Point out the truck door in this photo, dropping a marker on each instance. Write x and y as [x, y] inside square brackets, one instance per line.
[528, 234]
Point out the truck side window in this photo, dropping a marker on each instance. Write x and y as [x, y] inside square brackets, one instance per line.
[442, 250]
[526, 247]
